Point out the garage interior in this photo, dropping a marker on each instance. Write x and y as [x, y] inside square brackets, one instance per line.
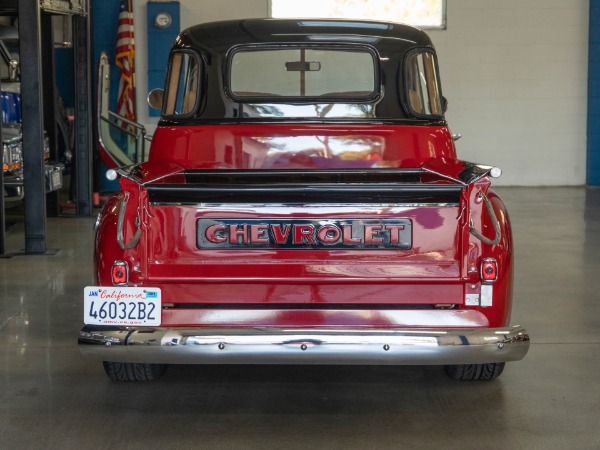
[520, 78]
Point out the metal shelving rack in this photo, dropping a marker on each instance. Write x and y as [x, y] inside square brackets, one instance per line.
[37, 91]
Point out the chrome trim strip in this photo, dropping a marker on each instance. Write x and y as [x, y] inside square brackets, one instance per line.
[120, 225]
[469, 175]
[229, 206]
[125, 172]
[495, 223]
[348, 279]
[304, 346]
[129, 173]
[215, 233]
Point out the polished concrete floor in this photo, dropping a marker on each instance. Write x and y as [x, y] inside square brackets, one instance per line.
[51, 398]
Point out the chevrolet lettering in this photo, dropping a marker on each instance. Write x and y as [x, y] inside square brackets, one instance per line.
[303, 202]
[315, 233]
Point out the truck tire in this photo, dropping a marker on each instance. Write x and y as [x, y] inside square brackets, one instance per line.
[475, 372]
[118, 371]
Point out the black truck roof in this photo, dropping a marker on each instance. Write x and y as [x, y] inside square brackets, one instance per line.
[219, 37]
[215, 41]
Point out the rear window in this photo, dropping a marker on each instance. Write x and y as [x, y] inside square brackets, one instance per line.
[303, 73]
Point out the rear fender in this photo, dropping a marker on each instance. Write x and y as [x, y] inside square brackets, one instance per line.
[122, 240]
[480, 219]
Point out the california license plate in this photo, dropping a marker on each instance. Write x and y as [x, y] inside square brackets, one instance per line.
[123, 306]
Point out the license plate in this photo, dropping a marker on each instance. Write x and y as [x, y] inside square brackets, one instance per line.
[123, 306]
[56, 180]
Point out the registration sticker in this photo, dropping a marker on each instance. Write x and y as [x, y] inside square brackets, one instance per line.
[122, 306]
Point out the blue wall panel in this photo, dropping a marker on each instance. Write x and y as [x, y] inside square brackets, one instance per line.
[105, 18]
[160, 41]
[593, 134]
[65, 79]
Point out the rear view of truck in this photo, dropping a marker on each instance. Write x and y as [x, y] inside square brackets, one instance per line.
[303, 204]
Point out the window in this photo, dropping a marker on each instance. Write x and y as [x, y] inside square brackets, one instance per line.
[422, 84]
[303, 72]
[183, 84]
[422, 13]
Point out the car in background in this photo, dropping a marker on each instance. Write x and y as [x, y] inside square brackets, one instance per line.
[12, 160]
[9, 75]
[10, 98]
[12, 140]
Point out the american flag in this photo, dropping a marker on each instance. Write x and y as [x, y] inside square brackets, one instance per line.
[125, 61]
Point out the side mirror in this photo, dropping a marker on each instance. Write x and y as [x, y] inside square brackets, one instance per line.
[155, 98]
[444, 104]
[13, 70]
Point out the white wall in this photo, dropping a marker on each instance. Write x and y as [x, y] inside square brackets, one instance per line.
[514, 72]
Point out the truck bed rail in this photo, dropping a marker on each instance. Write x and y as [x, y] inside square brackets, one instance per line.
[307, 186]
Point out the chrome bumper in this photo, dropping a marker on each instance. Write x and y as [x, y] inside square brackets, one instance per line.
[304, 346]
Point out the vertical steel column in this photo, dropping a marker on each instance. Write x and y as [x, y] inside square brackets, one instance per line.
[593, 117]
[33, 136]
[2, 220]
[50, 101]
[83, 116]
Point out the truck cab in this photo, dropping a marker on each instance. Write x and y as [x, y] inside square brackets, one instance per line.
[303, 203]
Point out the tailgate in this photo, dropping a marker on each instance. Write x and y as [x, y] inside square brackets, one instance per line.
[305, 237]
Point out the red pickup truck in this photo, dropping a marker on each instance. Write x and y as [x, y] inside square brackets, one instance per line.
[302, 204]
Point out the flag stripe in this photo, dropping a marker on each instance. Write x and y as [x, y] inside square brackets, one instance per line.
[125, 58]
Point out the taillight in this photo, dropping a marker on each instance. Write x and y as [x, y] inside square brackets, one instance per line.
[489, 270]
[120, 273]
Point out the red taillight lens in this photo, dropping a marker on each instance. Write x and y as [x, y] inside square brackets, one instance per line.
[489, 270]
[120, 273]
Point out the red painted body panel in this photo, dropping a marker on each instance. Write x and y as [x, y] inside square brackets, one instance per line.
[286, 292]
[433, 253]
[301, 146]
[440, 269]
[369, 319]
